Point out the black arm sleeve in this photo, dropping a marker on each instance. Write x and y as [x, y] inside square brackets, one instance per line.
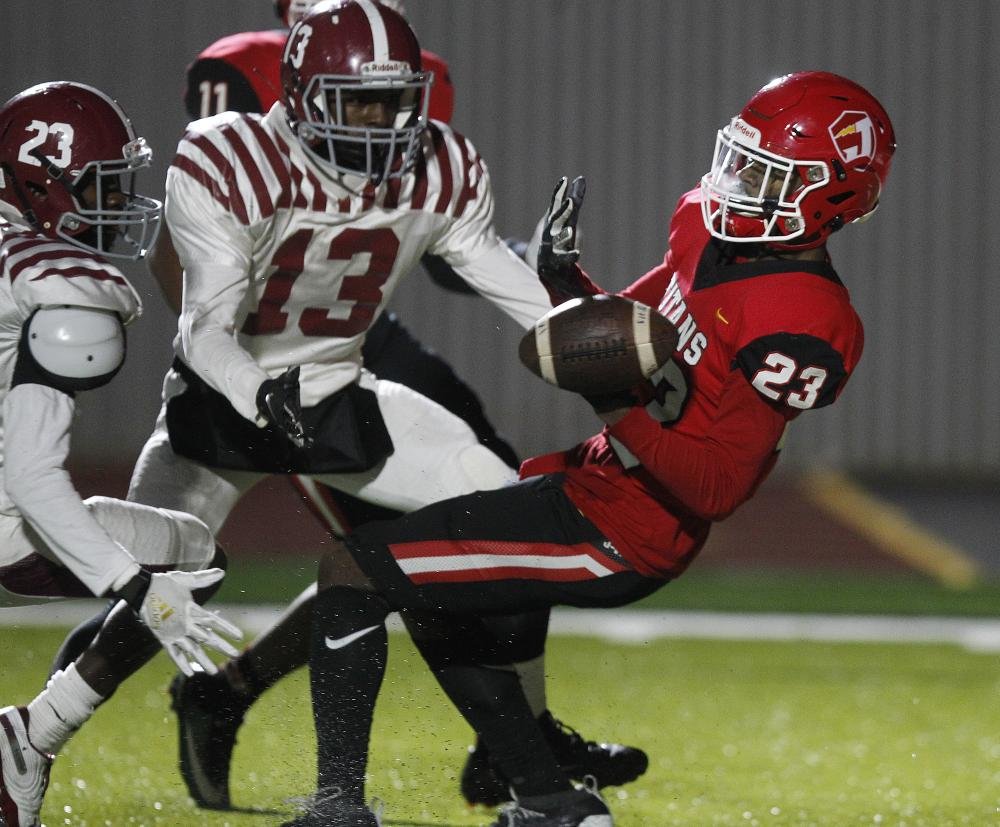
[443, 275]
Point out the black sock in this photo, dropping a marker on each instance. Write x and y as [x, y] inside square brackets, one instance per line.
[493, 703]
[521, 636]
[79, 639]
[349, 649]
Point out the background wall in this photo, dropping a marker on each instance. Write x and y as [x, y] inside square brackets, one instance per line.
[630, 94]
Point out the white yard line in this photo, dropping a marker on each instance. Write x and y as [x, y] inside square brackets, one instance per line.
[640, 626]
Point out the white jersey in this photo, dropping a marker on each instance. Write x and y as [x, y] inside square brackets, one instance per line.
[286, 264]
[35, 420]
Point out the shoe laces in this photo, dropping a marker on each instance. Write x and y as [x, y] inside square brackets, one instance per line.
[515, 814]
[566, 731]
[308, 803]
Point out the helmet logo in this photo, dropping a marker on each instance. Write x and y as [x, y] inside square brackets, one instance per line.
[853, 134]
[749, 135]
[385, 67]
[63, 135]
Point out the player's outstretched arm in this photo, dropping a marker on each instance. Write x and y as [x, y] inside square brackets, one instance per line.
[558, 250]
[165, 604]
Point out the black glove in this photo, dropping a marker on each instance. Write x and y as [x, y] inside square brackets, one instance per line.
[278, 402]
[558, 251]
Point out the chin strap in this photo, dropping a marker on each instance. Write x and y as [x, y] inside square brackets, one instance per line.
[25, 207]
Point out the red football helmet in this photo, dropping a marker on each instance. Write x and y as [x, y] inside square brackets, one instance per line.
[808, 154]
[68, 157]
[343, 51]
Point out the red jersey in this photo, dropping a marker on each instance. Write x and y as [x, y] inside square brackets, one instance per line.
[761, 340]
[242, 73]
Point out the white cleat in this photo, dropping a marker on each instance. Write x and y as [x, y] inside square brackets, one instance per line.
[24, 771]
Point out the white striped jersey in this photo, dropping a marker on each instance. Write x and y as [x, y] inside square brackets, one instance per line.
[287, 264]
[37, 271]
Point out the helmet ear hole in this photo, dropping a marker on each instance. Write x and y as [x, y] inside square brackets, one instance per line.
[838, 198]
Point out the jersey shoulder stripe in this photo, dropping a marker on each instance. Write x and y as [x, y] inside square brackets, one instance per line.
[248, 168]
[447, 173]
[39, 271]
[276, 153]
[34, 257]
[473, 172]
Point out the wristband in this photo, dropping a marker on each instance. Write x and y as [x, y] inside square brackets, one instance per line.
[134, 591]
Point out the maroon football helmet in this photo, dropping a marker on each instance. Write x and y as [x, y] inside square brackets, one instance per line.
[290, 11]
[809, 153]
[342, 51]
[59, 140]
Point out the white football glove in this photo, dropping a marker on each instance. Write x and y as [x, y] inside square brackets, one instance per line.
[180, 624]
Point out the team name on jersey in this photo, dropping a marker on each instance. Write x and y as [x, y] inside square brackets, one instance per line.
[691, 342]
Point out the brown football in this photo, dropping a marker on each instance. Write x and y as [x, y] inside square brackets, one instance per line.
[598, 344]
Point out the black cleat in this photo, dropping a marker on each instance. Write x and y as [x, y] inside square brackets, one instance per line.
[608, 764]
[209, 712]
[575, 808]
[328, 809]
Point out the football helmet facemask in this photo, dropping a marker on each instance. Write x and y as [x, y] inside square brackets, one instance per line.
[349, 54]
[68, 158]
[809, 153]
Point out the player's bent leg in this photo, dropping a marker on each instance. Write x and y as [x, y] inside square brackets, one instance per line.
[209, 711]
[163, 479]
[436, 455]
[159, 538]
[210, 708]
[79, 638]
[447, 546]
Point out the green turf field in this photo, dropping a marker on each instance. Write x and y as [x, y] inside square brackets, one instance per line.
[739, 734]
